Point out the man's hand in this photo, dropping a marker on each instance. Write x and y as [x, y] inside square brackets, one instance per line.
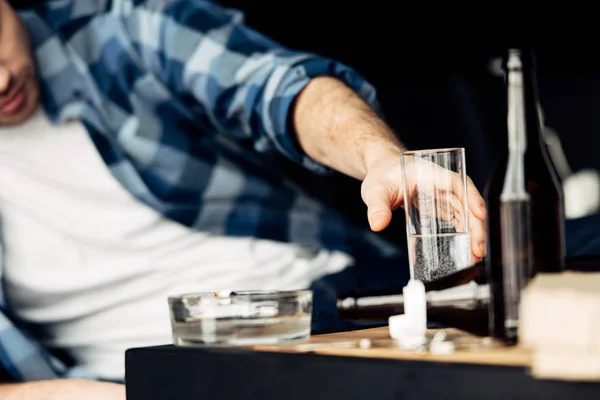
[62, 389]
[382, 191]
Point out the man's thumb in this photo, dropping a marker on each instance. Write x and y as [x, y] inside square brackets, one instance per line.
[379, 219]
[379, 212]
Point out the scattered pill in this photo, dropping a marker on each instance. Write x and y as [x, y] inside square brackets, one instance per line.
[439, 336]
[441, 347]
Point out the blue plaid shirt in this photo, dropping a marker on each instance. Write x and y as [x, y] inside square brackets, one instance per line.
[189, 109]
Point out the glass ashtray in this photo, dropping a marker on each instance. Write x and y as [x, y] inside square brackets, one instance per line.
[241, 318]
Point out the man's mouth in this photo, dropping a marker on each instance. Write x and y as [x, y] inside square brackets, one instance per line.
[14, 101]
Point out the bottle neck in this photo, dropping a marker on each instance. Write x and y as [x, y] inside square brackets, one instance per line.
[525, 127]
[514, 187]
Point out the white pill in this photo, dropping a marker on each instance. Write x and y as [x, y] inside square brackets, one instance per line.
[441, 347]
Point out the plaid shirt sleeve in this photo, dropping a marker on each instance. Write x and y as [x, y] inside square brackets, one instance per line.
[246, 82]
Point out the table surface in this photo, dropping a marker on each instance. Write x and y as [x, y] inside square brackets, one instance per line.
[333, 366]
[468, 348]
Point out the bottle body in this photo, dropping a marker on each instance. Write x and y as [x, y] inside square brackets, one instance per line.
[525, 203]
[547, 212]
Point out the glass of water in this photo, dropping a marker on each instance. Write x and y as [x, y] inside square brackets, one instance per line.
[436, 206]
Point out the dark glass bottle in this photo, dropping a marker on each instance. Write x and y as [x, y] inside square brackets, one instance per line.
[525, 202]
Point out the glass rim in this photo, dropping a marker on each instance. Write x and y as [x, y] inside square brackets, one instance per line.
[433, 151]
[247, 295]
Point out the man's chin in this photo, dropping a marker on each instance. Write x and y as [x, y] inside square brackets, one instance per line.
[23, 113]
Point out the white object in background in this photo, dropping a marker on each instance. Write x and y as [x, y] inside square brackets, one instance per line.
[582, 193]
[581, 189]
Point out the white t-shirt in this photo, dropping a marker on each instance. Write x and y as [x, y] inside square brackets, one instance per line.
[94, 267]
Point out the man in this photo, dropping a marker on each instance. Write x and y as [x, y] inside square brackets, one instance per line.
[157, 165]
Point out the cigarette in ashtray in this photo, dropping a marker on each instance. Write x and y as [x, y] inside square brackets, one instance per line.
[223, 293]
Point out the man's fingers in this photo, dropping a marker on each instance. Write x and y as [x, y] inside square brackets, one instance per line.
[379, 218]
[477, 214]
[478, 236]
[476, 202]
[450, 209]
[477, 217]
[378, 204]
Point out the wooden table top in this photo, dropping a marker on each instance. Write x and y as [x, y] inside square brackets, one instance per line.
[468, 348]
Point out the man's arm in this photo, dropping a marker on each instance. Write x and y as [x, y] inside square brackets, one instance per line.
[62, 389]
[244, 83]
[337, 128]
